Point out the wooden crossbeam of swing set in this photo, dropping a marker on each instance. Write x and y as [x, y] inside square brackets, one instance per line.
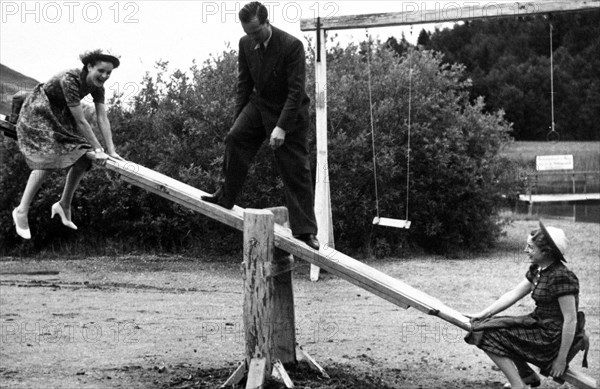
[423, 13]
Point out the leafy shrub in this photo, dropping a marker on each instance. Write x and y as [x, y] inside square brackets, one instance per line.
[177, 123]
[455, 172]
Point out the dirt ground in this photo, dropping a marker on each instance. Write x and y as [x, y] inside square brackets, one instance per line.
[175, 322]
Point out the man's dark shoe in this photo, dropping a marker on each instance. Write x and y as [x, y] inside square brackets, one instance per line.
[309, 239]
[219, 199]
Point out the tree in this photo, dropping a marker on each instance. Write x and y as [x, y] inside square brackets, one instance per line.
[424, 38]
[509, 63]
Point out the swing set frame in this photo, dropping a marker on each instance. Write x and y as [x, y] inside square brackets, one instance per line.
[410, 15]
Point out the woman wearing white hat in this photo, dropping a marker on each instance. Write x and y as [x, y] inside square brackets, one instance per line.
[552, 334]
[53, 132]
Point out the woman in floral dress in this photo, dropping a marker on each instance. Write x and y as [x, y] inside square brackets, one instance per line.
[551, 335]
[53, 132]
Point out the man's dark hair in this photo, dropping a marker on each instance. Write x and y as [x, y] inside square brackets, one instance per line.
[254, 10]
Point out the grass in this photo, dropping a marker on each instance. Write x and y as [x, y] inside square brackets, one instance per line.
[586, 157]
[168, 300]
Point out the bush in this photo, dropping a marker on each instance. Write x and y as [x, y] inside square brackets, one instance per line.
[455, 171]
[177, 123]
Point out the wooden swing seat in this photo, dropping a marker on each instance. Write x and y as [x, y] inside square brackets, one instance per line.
[387, 222]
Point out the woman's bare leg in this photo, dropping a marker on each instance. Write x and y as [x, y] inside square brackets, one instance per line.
[74, 176]
[509, 369]
[35, 181]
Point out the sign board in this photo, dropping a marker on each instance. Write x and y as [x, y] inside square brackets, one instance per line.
[554, 162]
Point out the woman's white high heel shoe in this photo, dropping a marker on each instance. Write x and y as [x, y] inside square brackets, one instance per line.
[531, 381]
[57, 209]
[24, 233]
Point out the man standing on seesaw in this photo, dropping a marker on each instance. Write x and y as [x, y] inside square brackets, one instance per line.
[271, 102]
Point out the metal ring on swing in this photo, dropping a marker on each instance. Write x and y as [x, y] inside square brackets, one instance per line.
[552, 135]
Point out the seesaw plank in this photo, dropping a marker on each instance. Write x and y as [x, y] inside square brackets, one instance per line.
[356, 272]
[334, 261]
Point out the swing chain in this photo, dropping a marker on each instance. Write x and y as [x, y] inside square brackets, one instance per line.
[410, 75]
[552, 135]
[372, 121]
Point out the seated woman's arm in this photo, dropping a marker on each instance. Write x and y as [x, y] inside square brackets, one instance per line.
[569, 311]
[506, 300]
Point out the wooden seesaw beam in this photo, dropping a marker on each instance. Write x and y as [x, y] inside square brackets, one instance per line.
[335, 262]
[356, 272]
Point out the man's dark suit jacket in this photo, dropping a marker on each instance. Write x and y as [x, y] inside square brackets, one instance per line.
[275, 83]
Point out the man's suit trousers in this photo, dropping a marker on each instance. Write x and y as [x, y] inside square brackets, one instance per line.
[292, 159]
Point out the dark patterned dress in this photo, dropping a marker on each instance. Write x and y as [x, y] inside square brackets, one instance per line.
[535, 338]
[47, 132]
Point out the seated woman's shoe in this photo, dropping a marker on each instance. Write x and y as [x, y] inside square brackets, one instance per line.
[532, 380]
[24, 233]
[57, 209]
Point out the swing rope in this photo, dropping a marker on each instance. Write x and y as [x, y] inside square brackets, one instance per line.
[410, 73]
[372, 122]
[552, 128]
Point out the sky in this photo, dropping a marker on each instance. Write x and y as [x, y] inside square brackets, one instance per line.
[41, 38]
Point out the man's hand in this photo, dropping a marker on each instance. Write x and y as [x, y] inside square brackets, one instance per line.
[277, 138]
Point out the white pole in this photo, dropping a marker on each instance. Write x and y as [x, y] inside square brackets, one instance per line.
[322, 194]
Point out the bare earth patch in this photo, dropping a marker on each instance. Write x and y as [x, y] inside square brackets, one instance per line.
[175, 322]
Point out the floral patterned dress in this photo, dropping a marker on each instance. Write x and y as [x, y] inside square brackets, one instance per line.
[47, 132]
[536, 337]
